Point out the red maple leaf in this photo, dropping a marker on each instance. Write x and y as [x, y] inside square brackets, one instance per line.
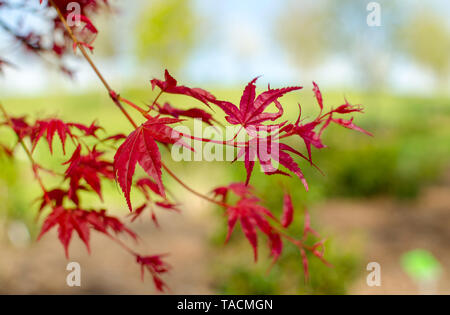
[67, 221]
[253, 217]
[251, 109]
[140, 147]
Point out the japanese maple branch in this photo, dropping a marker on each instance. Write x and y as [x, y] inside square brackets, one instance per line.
[35, 167]
[114, 96]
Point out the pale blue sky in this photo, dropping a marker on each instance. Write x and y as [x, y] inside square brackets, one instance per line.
[240, 44]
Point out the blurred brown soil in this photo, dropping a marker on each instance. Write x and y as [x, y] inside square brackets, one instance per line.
[381, 229]
[41, 267]
[384, 230]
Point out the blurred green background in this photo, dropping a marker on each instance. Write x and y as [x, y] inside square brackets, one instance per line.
[398, 71]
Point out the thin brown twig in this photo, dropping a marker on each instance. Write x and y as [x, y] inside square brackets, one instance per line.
[192, 190]
[111, 92]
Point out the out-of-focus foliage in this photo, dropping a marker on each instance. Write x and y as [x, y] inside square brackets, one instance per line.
[287, 277]
[105, 43]
[426, 39]
[165, 32]
[303, 29]
[378, 170]
[314, 31]
[13, 207]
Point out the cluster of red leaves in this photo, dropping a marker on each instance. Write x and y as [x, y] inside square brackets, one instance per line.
[265, 146]
[84, 173]
[253, 216]
[82, 27]
[48, 128]
[88, 167]
[81, 221]
[48, 41]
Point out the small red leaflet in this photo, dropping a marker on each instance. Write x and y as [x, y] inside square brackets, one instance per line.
[156, 266]
[288, 211]
[197, 113]
[170, 85]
